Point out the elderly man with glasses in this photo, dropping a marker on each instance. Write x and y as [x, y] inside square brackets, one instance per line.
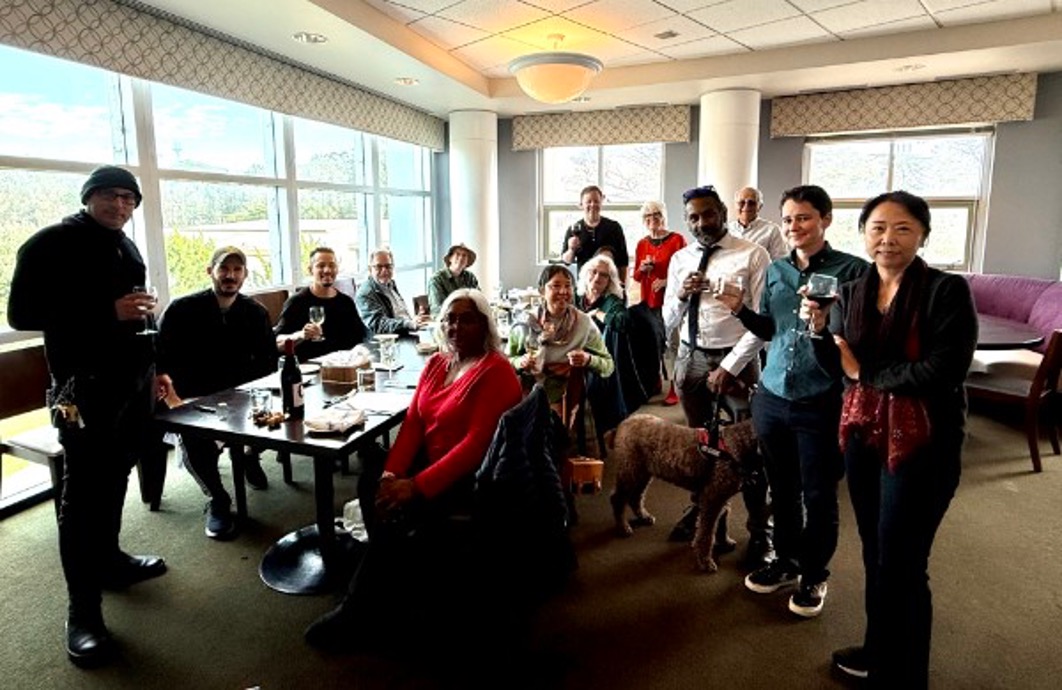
[381, 305]
[748, 224]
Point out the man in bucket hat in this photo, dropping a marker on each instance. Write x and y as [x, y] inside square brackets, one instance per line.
[455, 276]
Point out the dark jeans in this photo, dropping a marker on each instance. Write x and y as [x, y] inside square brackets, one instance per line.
[98, 459]
[202, 456]
[799, 444]
[898, 516]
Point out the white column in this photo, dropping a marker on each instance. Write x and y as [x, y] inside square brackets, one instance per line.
[729, 141]
[474, 190]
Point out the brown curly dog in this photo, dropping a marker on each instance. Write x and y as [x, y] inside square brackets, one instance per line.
[646, 446]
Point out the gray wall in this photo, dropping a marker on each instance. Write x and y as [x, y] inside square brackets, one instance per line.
[1024, 234]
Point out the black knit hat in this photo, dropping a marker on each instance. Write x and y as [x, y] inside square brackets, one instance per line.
[107, 176]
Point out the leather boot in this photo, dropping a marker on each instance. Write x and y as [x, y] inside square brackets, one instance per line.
[128, 570]
[88, 642]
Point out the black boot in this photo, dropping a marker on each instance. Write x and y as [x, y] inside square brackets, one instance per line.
[760, 550]
[88, 643]
[686, 527]
[127, 570]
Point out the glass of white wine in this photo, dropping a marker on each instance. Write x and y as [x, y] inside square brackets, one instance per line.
[822, 288]
[532, 345]
[317, 317]
[150, 327]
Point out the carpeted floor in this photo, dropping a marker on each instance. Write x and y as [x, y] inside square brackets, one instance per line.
[636, 615]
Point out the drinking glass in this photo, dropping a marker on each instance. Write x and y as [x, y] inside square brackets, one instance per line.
[150, 327]
[388, 345]
[261, 401]
[821, 288]
[532, 345]
[317, 317]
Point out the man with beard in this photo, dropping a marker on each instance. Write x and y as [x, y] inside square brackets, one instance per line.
[77, 282]
[210, 341]
[717, 356]
[342, 325]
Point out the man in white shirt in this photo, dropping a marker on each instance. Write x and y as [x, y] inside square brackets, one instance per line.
[748, 224]
[717, 355]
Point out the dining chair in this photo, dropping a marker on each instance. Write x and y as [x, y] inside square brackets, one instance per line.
[1040, 394]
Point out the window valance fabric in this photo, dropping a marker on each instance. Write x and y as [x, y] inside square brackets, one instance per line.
[977, 100]
[602, 127]
[122, 38]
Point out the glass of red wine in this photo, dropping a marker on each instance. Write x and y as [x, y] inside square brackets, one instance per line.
[821, 288]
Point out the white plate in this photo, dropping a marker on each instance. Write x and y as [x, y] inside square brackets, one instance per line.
[309, 368]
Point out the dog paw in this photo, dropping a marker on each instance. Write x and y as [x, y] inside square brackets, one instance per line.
[646, 520]
[624, 530]
[707, 565]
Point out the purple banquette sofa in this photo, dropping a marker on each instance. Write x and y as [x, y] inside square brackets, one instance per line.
[1035, 301]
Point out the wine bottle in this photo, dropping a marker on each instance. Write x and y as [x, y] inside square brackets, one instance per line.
[291, 384]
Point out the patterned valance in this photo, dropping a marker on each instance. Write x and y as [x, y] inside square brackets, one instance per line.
[600, 127]
[121, 38]
[957, 102]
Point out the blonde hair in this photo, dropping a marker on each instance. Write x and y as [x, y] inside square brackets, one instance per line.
[652, 206]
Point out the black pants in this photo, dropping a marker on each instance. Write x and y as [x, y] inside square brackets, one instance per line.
[99, 456]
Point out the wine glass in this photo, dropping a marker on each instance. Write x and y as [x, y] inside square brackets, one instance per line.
[150, 327]
[821, 288]
[532, 345]
[317, 317]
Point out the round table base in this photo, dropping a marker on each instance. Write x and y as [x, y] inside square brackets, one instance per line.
[294, 565]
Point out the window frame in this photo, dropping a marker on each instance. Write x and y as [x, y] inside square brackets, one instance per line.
[976, 206]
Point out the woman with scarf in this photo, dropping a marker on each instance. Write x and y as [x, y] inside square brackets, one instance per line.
[557, 341]
[904, 336]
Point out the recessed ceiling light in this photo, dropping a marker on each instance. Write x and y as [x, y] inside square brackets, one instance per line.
[580, 99]
[665, 35]
[910, 67]
[309, 37]
[406, 81]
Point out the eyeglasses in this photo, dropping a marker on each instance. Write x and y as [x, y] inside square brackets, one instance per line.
[747, 202]
[111, 195]
[653, 214]
[383, 267]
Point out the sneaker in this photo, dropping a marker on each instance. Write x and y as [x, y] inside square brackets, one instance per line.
[220, 524]
[808, 599]
[253, 472]
[771, 578]
[672, 397]
[852, 661]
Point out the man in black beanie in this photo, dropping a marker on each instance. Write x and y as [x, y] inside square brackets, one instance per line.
[76, 281]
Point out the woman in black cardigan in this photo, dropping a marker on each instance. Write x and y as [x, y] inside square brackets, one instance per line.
[905, 334]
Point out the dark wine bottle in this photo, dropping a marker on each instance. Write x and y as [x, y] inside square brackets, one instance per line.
[291, 384]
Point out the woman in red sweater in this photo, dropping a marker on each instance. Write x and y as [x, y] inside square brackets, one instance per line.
[426, 483]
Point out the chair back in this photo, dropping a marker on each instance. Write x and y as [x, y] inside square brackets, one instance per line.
[24, 380]
[273, 301]
[1045, 381]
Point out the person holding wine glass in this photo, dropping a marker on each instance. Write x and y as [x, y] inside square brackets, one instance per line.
[305, 314]
[904, 336]
[569, 344]
[104, 378]
[797, 407]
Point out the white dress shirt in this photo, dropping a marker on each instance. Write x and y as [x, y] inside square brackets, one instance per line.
[764, 233]
[717, 327]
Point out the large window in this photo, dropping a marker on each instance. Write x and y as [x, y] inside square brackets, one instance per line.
[226, 172]
[629, 175]
[950, 171]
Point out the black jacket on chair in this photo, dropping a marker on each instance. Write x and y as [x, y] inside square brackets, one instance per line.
[520, 507]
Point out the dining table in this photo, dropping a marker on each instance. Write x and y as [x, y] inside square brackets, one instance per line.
[997, 333]
[305, 561]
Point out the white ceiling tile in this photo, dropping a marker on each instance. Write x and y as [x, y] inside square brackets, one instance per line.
[733, 15]
[689, 5]
[993, 11]
[445, 33]
[577, 37]
[904, 25]
[421, 6]
[493, 16]
[613, 16]
[808, 6]
[491, 52]
[614, 49]
[642, 57]
[396, 12]
[791, 31]
[868, 13]
[687, 30]
[557, 6]
[716, 45]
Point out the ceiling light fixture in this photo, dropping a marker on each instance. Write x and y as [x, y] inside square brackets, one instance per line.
[555, 77]
[406, 81]
[309, 37]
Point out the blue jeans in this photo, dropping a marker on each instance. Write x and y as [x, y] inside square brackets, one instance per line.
[898, 516]
[798, 439]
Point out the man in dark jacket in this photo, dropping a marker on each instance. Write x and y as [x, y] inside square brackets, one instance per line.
[342, 322]
[81, 283]
[210, 341]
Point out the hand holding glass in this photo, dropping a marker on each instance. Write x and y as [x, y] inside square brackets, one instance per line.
[532, 345]
[149, 317]
[317, 317]
[821, 288]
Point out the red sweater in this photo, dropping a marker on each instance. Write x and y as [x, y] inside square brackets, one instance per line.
[662, 256]
[454, 424]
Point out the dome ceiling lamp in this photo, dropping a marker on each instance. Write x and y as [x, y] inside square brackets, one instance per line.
[555, 77]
